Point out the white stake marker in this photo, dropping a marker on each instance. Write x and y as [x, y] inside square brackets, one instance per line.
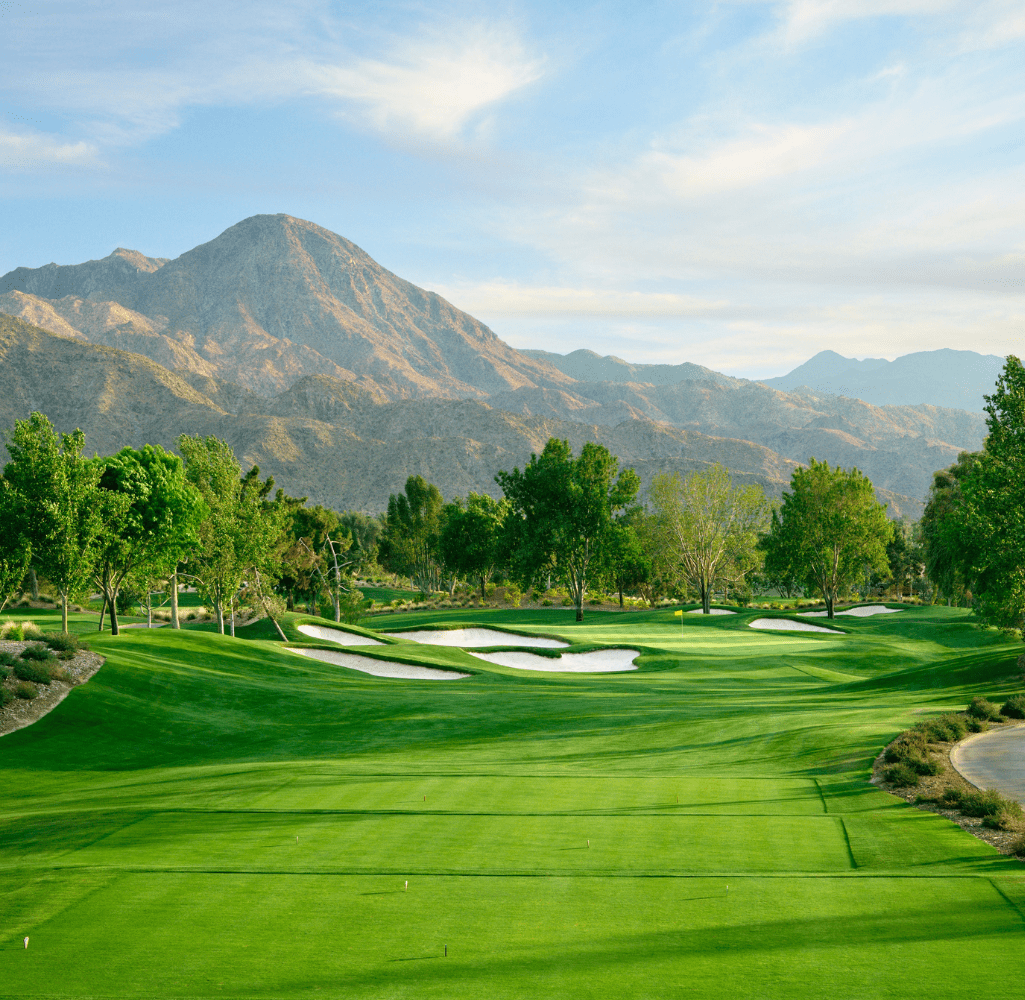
[407, 886]
[26, 942]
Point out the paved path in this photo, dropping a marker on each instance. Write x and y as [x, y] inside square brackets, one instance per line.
[994, 760]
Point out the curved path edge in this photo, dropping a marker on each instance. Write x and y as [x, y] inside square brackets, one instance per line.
[994, 759]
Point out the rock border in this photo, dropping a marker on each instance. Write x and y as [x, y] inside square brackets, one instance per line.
[949, 776]
[21, 713]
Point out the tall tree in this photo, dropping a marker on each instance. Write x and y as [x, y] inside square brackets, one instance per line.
[472, 539]
[710, 526]
[151, 516]
[411, 543]
[829, 528]
[904, 556]
[562, 514]
[950, 554]
[988, 522]
[15, 547]
[55, 489]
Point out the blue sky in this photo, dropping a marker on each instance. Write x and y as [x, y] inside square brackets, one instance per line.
[738, 184]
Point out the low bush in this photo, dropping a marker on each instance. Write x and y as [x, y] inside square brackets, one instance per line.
[926, 767]
[976, 725]
[12, 632]
[1002, 820]
[943, 729]
[984, 805]
[5, 671]
[6, 696]
[908, 746]
[982, 708]
[26, 691]
[1018, 847]
[62, 642]
[31, 670]
[1014, 707]
[67, 654]
[7, 659]
[901, 775]
[38, 652]
[30, 630]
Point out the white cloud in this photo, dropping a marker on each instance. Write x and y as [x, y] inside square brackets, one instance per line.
[431, 85]
[499, 298]
[23, 150]
[805, 19]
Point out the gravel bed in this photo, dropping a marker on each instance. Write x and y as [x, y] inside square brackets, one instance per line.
[20, 713]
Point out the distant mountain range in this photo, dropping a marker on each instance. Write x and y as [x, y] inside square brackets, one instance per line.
[957, 379]
[342, 379]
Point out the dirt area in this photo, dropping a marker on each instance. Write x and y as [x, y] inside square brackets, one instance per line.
[930, 786]
[21, 712]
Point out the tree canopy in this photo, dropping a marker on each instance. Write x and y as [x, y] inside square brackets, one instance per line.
[562, 513]
[828, 530]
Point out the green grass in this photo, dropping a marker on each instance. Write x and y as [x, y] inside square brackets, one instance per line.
[148, 829]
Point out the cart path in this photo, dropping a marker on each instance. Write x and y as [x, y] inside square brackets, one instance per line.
[994, 760]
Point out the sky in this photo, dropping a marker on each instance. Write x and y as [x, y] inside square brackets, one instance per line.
[734, 183]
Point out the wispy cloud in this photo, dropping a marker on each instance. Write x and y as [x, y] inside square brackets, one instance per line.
[30, 150]
[431, 85]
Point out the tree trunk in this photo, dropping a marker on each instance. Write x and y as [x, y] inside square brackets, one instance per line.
[149, 610]
[112, 604]
[621, 599]
[35, 584]
[175, 623]
[483, 596]
[103, 610]
[829, 604]
[338, 605]
[706, 599]
[64, 612]
[220, 613]
[232, 620]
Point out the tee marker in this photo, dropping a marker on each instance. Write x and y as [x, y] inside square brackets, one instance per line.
[26, 942]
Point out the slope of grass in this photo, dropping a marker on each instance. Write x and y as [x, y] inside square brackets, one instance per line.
[219, 817]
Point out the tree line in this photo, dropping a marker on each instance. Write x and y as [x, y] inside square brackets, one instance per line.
[146, 515]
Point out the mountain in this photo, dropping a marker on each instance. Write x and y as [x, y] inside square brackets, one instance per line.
[280, 320]
[956, 379]
[586, 366]
[275, 298]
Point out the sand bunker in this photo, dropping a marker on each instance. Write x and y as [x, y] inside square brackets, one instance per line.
[466, 637]
[600, 661]
[380, 668]
[784, 624]
[866, 612]
[338, 635]
[713, 611]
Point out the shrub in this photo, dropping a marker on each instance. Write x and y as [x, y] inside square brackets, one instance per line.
[1002, 820]
[988, 804]
[67, 654]
[1018, 847]
[951, 798]
[6, 697]
[976, 725]
[7, 659]
[5, 671]
[1014, 707]
[62, 642]
[943, 729]
[12, 631]
[25, 691]
[546, 603]
[38, 673]
[901, 775]
[36, 652]
[30, 630]
[982, 708]
[908, 746]
[926, 767]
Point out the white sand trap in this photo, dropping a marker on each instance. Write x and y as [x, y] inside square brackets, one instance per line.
[338, 635]
[599, 661]
[866, 612]
[713, 611]
[465, 637]
[380, 668]
[785, 625]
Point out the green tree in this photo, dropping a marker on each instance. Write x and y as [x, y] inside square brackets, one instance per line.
[829, 528]
[150, 519]
[473, 537]
[55, 490]
[904, 556]
[562, 514]
[949, 554]
[15, 547]
[987, 524]
[630, 566]
[411, 542]
[710, 526]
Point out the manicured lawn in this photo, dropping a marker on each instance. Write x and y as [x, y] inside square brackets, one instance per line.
[563, 835]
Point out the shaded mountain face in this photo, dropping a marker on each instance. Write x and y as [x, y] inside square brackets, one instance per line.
[275, 298]
[330, 439]
[956, 379]
[586, 366]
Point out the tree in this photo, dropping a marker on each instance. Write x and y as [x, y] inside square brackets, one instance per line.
[904, 556]
[829, 528]
[15, 547]
[562, 514]
[242, 532]
[986, 522]
[710, 526]
[949, 554]
[411, 543]
[472, 538]
[630, 566]
[150, 519]
[56, 493]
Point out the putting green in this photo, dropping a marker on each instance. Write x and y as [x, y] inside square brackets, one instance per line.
[218, 817]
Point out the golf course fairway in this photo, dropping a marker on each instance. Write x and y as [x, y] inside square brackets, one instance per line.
[217, 817]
